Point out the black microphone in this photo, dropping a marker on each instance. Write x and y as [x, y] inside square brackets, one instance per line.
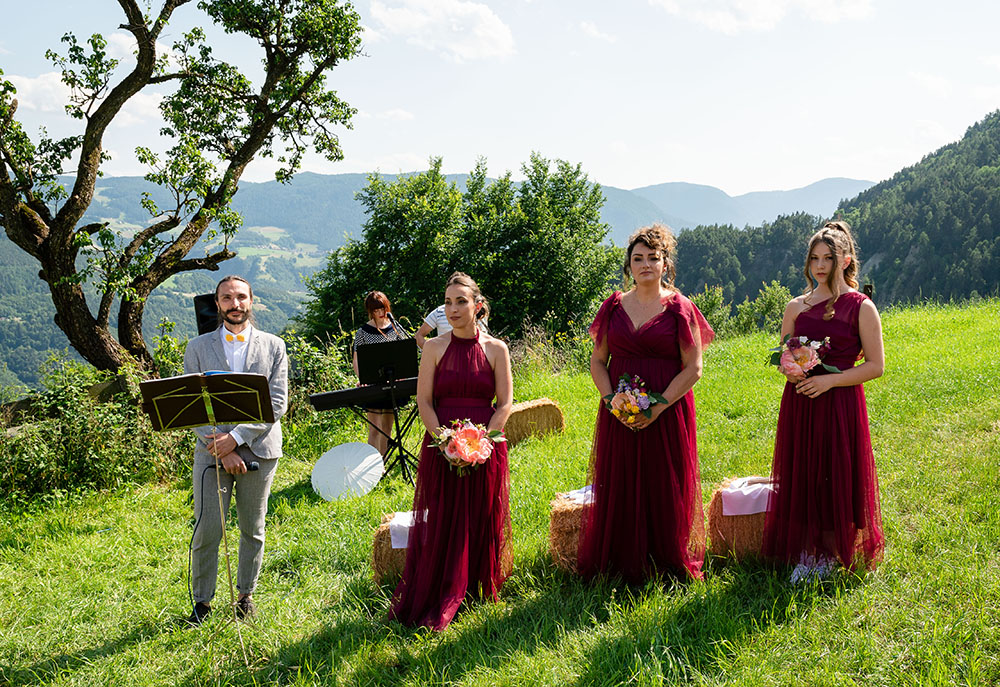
[252, 466]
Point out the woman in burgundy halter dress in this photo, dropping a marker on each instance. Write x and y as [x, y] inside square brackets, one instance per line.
[646, 516]
[825, 507]
[461, 523]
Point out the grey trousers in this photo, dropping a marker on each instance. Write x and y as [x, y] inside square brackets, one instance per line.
[252, 490]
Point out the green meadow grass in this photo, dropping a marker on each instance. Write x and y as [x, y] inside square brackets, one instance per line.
[90, 586]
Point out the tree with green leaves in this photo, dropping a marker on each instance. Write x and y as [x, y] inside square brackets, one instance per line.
[218, 120]
[536, 248]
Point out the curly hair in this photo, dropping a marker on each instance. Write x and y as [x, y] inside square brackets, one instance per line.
[656, 237]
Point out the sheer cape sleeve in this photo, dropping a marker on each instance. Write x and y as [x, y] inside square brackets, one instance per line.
[689, 319]
[599, 327]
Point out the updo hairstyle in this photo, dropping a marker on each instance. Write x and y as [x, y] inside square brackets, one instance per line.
[657, 237]
[462, 279]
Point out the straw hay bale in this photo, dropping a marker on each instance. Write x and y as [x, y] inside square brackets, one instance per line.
[387, 562]
[533, 418]
[735, 536]
[564, 532]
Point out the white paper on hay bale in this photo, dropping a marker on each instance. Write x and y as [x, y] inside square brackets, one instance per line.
[533, 418]
[736, 517]
[388, 560]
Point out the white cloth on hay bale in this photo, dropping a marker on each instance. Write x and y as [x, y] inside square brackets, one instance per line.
[399, 529]
[746, 496]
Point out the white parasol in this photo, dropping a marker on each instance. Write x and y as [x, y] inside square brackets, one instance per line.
[347, 470]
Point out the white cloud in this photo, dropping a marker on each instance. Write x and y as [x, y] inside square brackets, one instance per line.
[370, 35]
[142, 108]
[122, 47]
[43, 93]
[395, 115]
[932, 84]
[737, 16]
[458, 29]
[590, 28]
[991, 60]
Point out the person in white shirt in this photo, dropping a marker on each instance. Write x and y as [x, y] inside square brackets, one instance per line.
[436, 319]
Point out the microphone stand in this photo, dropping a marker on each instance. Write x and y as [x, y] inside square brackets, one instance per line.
[225, 537]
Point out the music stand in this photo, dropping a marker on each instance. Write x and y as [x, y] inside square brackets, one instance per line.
[385, 364]
[209, 398]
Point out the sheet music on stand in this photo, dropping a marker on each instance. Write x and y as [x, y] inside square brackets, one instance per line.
[206, 398]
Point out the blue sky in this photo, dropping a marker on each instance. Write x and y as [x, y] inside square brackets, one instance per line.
[745, 95]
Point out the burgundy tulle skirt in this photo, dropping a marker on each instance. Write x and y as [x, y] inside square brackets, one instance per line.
[646, 519]
[458, 541]
[826, 498]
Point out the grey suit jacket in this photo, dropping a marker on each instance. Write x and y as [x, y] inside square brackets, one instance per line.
[265, 355]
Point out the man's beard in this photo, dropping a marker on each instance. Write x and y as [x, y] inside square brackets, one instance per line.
[237, 316]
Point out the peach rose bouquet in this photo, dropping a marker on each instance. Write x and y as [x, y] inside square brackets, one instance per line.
[467, 445]
[798, 355]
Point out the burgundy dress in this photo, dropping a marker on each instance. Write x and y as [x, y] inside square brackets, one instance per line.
[646, 518]
[825, 499]
[461, 524]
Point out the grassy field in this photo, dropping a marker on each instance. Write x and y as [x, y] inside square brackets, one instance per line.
[90, 586]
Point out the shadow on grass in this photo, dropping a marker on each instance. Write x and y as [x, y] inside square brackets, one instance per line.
[48, 669]
[293, 494]
[693, 636]
[365, 648]
[671, 630]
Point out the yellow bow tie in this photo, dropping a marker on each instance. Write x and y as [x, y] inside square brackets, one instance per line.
[230, 338]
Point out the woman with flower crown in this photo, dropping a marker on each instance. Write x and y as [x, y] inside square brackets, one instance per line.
[459, 542]
[646, 516]
[824, 510]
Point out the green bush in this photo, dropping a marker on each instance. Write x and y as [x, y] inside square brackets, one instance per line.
[764, 313]
[80, 443]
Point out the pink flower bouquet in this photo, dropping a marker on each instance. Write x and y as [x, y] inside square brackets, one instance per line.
[466, 445]
[799, 355]
[632, 399]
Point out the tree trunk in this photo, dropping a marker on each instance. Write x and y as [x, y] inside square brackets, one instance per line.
[130, 331]
[94, 343]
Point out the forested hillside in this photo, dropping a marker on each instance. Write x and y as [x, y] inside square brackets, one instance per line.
[931, 231]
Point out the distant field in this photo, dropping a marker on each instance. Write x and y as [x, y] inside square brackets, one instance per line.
[90, 586]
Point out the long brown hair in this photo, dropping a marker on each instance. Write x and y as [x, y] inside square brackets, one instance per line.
[656, 237]
[837, 236]
[462, 279]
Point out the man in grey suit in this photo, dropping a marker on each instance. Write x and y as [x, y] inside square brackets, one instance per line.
[236, 346]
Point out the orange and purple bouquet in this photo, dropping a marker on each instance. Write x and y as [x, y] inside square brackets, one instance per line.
[631, 399]
[799, 355]
[467, 445]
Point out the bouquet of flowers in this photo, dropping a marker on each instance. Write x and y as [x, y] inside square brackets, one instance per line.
[632, 399]
[467, 445]
[799, 355]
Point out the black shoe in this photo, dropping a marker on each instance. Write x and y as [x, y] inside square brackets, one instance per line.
[198, 615]
[245, 608]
